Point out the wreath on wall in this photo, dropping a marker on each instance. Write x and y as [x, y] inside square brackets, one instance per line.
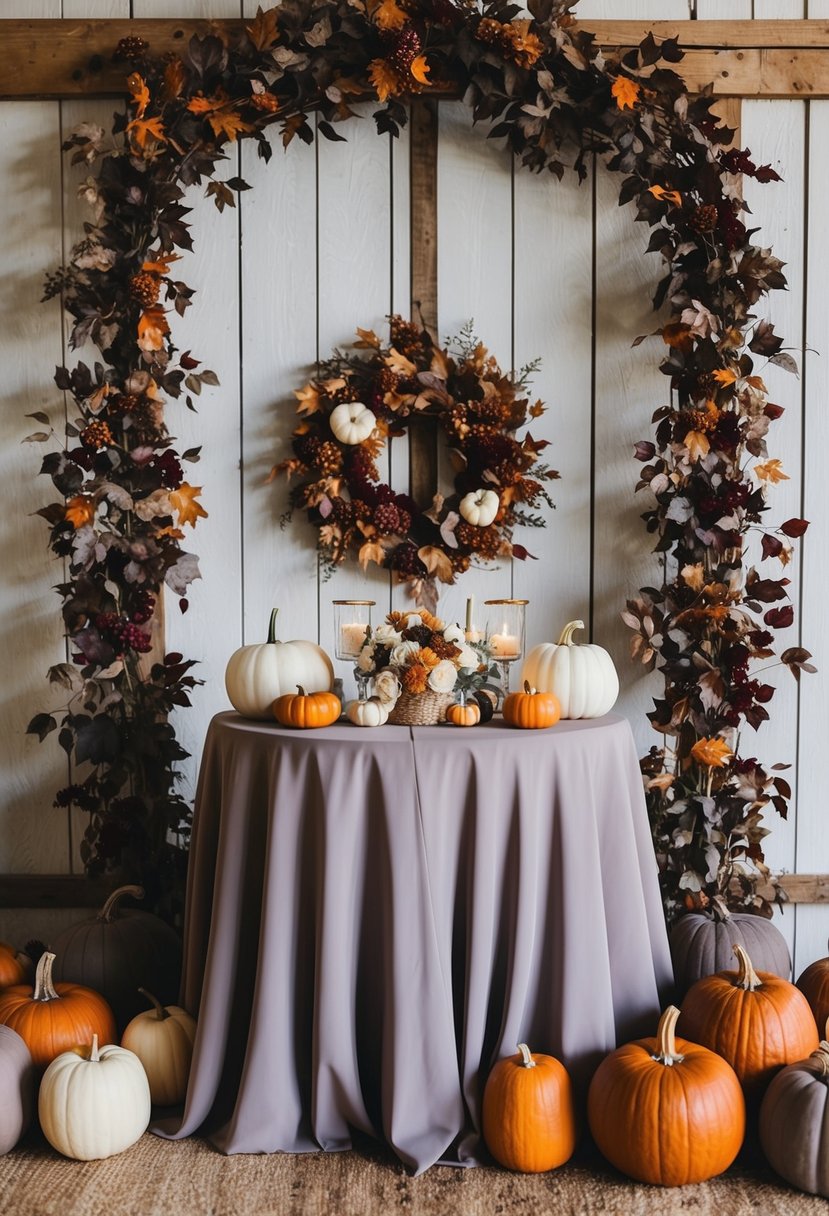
[124, 502]
[358, 402]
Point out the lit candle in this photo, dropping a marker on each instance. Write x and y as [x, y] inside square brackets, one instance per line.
[352, 638]
[504, 645]
[471, 634]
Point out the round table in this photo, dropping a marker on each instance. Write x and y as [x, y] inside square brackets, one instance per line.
[375, 916]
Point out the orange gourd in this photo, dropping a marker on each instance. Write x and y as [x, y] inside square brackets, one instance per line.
[464, 713]
[814, 984]
[755, 1020]
[54, 1018]
[11, 968]
[307, 711]
[531, 710]
[666, 1111]
[529, 1119]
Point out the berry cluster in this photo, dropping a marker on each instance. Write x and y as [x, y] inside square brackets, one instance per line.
[123, 635]
[96, 435]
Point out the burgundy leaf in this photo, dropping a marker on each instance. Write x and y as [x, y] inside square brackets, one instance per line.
[780, 618]
[794, 527]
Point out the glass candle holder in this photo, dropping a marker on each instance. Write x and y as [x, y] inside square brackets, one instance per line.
[505, 634]
[352, 626]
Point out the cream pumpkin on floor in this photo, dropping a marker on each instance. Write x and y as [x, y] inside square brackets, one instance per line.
[162, 1038]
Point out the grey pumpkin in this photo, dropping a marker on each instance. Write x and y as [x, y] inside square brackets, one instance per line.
[794, 1123]
[702, 944]
[17, 1088]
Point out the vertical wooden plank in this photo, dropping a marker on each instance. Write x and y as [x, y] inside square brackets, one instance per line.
[627, 388]
[423, 436]
[354, 285]
[715, 10]
[474, 283]
[212, 628]
[774, 130]
[33, 835]
[279, 347]
[553, 322]
[402, 265]
[777, 10]
[812, 852]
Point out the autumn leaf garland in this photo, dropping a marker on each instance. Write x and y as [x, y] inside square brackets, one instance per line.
[544, 87]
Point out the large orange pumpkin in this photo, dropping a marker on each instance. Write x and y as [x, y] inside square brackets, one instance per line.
[529, 1120]
[755, 1020]
[55, 1017]
[11, 968]
[307, 710]
[666, 1111]
[814, 984]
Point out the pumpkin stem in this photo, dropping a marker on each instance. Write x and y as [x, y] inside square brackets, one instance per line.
[272, 626]
[526, 1057]
[528, 689]
[567, 632]
[747, 977]
[109, 909]
[822, 1058]
[301, 691]
[94, 1053]
[160, 1012]
[44, 988]
[666, 1052]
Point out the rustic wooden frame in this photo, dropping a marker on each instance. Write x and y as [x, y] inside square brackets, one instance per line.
[67, 58]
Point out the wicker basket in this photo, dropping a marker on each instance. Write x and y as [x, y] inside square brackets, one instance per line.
[421, 709]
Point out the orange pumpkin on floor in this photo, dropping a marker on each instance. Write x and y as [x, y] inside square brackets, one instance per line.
[814, 984]
[529, 1119]
[755, 1020]
[11, 968]
[55, 1017]
[307, 710]
[531, 710]
[666, 1111]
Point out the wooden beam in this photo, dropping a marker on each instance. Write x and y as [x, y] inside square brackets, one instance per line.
[806, 888]
[53, 891]
[47, 59]
[423, 175]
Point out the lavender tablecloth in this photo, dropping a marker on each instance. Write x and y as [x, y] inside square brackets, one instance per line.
[375, 916]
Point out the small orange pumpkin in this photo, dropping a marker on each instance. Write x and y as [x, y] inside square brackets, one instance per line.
[666, 1111]
[54, 1018]
[755, 1020]
[464, 713]
[12, 970]
[307, 710]
[529, 1119]
[531, 710]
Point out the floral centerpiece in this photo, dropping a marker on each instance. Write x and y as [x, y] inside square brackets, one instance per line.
[417, 662]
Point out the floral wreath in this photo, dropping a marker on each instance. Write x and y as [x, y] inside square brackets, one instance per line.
[123, 502]
[358, 401]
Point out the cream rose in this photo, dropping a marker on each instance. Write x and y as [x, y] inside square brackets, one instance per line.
[468, 658]
[442, 678]
[454, 633]
[386, 687]
[365, 659]
[403, 651]
[387, 635]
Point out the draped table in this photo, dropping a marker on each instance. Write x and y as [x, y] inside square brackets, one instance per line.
[375, 916]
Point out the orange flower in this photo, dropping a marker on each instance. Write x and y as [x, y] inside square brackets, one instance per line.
[713, 753]
[265, 101]
[431, 622]
[428, 658]
[626, 92]
[414, 679]
[80, 510]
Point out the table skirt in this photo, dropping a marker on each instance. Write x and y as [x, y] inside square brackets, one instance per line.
[374, 917]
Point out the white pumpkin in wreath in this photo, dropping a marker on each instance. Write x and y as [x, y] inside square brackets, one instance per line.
[480, 507]
[352, 422]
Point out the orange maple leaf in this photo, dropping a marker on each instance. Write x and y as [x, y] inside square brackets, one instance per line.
[140, 93]
[386, 81]
[713, 753]
[264, 31]
[308, 398]
[389, 16]
[159, 263]
[203, 105]
[771, 471]
[229, 123]
[141, 128]
[724, 376]
[697, 444]
[184, 503]
[80, 510]
[152, 328]
[173, 79]
[626, 92]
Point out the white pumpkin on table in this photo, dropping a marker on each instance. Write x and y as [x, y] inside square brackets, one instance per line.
[581, 676]
[256, 675]
[371, 712]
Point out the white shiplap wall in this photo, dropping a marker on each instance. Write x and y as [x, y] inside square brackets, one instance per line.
[320, 245]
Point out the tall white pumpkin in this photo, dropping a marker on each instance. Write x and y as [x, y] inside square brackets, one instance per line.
[582, 677]
[96, 1106]
[256, 675]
